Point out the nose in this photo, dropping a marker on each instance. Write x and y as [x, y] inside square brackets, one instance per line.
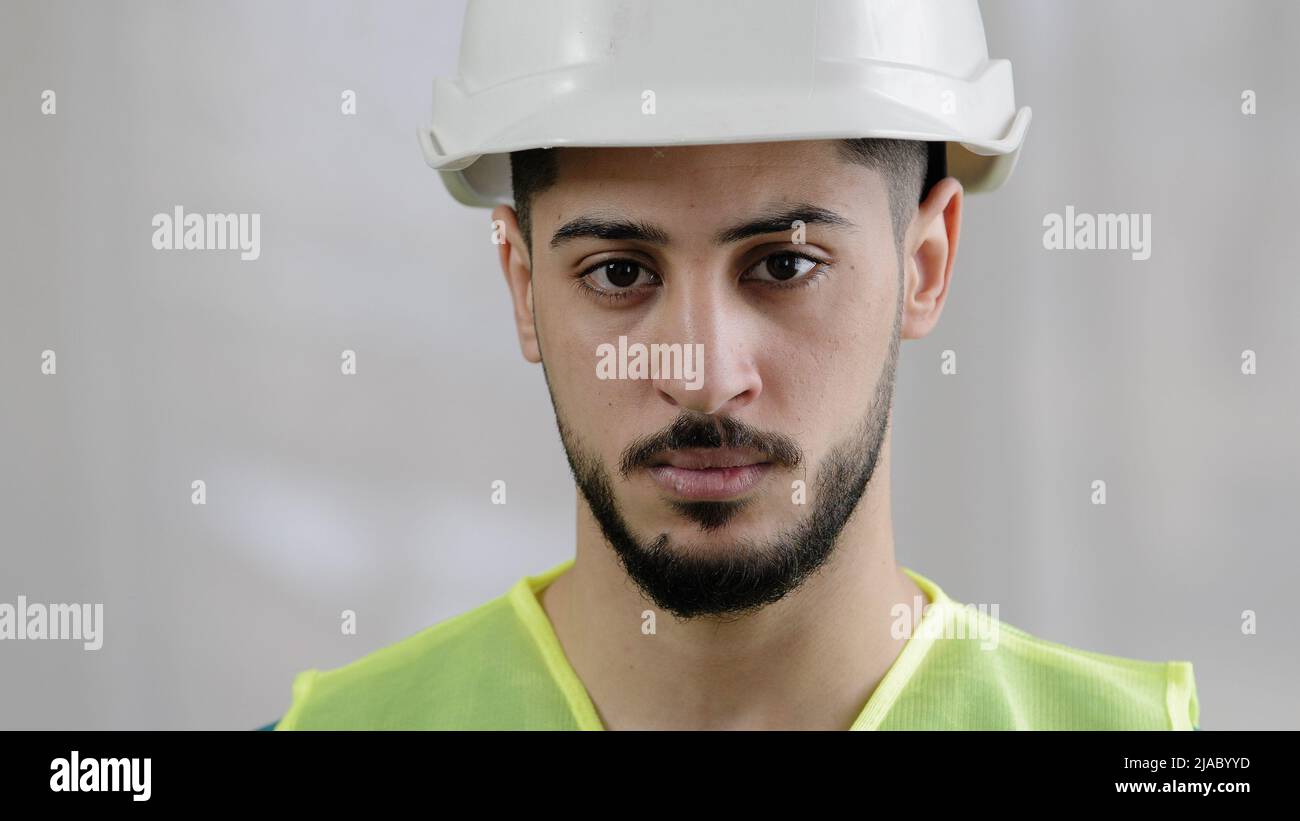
[717, 340]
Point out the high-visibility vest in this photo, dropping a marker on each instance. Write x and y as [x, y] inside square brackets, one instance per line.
[501, 666]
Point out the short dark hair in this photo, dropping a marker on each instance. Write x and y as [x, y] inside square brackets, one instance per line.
[910, 168]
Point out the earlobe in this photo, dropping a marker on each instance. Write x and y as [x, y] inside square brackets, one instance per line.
[531, 349]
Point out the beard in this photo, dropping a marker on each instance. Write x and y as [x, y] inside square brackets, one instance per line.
[730, 581]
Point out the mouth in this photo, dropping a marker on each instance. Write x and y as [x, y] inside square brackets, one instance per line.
[709, 473]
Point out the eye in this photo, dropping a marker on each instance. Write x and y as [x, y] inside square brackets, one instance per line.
[617, 275]
[784, 267]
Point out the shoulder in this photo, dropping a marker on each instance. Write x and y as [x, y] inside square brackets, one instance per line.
[981, 673]
[440, 677]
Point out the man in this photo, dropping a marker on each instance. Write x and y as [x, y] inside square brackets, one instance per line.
[718, 322]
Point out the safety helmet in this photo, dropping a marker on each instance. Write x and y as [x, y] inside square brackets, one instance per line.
[547, 73]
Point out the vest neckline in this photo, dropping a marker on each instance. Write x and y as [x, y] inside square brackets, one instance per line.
[523, 598]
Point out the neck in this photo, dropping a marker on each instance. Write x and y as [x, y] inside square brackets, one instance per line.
[808, 661]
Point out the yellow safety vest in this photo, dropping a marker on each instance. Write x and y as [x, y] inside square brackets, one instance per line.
[501, 667]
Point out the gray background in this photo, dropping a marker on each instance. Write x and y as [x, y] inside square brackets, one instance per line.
[373, 492]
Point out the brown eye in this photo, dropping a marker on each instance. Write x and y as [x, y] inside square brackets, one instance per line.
[620, 275]
[783, 267]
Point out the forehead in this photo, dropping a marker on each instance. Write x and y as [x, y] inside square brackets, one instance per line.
[699, 182]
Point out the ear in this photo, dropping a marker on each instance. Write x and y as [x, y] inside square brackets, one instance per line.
[929, 250]
[518, 269]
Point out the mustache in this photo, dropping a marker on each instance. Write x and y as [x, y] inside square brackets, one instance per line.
[695, 430]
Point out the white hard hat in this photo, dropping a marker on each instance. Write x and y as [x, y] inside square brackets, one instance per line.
[546, 73]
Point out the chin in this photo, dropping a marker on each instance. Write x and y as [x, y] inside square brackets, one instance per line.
[739, 533]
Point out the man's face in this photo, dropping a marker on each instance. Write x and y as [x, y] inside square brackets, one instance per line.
[722, 486]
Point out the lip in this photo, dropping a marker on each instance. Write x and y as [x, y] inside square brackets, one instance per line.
[709, 474]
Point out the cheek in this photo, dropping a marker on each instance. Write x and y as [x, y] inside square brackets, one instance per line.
[824, 366]
[604, 412]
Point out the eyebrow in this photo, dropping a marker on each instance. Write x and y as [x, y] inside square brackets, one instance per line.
[772, 220]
